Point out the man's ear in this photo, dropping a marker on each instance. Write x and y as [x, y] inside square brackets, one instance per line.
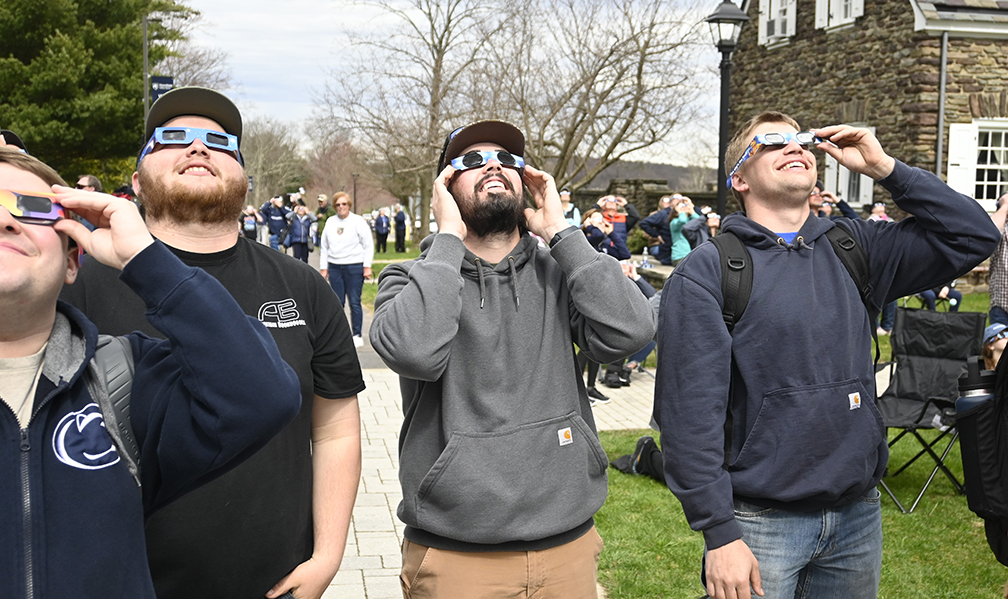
[73, 263]
[136, 183]
[738, 183]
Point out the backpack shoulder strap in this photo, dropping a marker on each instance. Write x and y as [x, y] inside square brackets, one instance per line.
[736, 276]
[854, 259]
[111, 383]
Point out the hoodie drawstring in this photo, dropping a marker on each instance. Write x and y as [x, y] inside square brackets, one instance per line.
[514, 280]
[479, 271]
[482, 282]
[797, 244]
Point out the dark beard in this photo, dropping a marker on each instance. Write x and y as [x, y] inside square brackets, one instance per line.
[179, 204]
[500, 213]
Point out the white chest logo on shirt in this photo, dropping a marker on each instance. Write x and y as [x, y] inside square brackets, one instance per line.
[81, 440]
[855, 400]
[281, 315]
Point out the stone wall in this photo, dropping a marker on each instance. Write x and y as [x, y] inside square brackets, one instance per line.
[878, 72]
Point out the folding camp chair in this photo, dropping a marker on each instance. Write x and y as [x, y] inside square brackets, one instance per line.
[929, 350]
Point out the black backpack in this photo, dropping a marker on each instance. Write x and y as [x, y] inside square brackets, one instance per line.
[736, 287]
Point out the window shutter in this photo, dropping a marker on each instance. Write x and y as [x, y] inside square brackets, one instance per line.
[857, 8]
[830, 180]
[822, 9]
[962, 156]
[866, 191]
[789, 18]
[764, 11]
[841, 178]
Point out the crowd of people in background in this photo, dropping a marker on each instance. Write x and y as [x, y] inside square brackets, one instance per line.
[523, 283]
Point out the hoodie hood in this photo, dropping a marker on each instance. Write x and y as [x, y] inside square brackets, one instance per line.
[757, 236]
[71, 345]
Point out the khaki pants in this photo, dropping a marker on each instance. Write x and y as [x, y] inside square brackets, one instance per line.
[569, 571]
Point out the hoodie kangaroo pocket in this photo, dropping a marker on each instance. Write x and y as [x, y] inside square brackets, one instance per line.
[816, 442]
[523, 483]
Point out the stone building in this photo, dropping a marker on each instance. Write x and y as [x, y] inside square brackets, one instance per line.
[878, 63]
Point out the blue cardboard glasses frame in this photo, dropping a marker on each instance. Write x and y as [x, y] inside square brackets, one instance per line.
[184, 136]
[804, 138]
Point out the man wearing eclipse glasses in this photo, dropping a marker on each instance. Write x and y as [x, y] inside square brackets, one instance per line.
[73, 513]
[775, 453]
[500, 465]
[277, 524]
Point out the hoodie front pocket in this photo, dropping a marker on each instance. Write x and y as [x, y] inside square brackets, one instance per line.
[815, 442]
[523, 483]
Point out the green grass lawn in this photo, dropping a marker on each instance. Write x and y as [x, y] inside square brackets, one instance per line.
[938, 551]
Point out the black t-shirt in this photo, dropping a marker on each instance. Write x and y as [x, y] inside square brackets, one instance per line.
[240, 534]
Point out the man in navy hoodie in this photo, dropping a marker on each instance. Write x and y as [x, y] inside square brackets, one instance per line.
[72, 514]
[789, 502]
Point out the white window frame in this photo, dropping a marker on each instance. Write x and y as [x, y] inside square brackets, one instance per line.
[837, 13]
[776, 21]
[963, 152]
[858, 190]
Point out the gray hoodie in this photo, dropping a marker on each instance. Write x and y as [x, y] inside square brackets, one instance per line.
[498, 445]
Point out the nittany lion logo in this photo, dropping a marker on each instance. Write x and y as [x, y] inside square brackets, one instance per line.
[81, 440]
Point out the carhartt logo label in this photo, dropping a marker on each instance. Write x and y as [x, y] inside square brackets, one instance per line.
[81, 440]
[564, 436]
[855, 400]
[281, 315]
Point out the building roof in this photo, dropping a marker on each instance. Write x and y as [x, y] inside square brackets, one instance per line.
[962, 18]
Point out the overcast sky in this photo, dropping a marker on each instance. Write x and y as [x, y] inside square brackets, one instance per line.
[280, 52]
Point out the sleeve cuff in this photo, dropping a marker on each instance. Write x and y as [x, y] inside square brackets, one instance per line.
[722, 534]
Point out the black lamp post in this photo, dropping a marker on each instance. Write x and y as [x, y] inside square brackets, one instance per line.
[725, 24]
[355, 175]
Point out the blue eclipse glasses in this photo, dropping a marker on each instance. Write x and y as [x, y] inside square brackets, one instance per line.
[184, 136]
[32, 208]
[807, 139]
[477, 159]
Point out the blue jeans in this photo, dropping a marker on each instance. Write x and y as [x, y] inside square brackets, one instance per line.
[998, 315]
[930, 299]
[642, 355]
[824, 554]
[888, 316]
[347, 281]
[275, 242]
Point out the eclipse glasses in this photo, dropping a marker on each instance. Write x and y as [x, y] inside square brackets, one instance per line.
[807, 139]
[184, 136]
[476, 159]
[32, 208]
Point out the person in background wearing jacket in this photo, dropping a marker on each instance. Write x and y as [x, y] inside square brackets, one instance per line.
[299, 234]
[682, 213]
[656, 226]
[74, 525]
[501, 468]
[382, 226]
[806, 443]
[700, 230]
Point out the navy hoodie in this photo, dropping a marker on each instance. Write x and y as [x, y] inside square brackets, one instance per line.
[71, 515]
[806, 432]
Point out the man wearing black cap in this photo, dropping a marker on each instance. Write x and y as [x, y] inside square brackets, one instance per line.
[257, 530]
[501, 469]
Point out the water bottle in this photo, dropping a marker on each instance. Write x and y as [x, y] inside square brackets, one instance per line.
[644, 263]
[976, 386]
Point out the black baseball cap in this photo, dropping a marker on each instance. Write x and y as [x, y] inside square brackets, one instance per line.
[503, 134]
[195, 101]
[12, 139]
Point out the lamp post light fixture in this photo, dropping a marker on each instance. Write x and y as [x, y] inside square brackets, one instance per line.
[725, 24]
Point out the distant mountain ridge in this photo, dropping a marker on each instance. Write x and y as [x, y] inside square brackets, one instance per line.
[680, 178]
